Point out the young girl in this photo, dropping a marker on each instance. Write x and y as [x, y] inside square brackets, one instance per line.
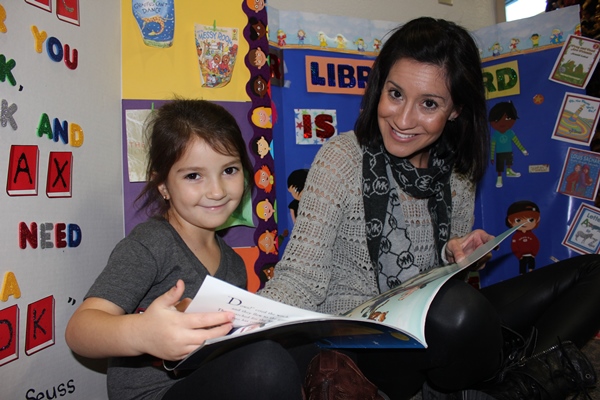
[196, 179]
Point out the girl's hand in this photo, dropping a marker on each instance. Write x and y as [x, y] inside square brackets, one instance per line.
[167, 333]
[460, 247]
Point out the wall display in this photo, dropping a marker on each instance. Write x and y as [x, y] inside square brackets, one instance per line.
[540, 139]
[62, 206]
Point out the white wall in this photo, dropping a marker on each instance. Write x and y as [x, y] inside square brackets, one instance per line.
[472, 14]
[88, 96]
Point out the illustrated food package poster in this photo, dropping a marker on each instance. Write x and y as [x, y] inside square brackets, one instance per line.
[62, 205]
[541, 169]
[320, 65]
[209, 51]
[535, 72]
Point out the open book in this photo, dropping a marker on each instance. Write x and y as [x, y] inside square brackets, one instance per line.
[395, 318]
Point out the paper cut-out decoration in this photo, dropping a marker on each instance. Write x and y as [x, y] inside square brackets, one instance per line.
[257, 57]
[267, 242]
[40, 325]
[60, 170]
[217, 49]
[45, 5]
[242, 216]
[9, 332]
[255, 5]
[68, 11]
[261, 147]
[257, 28]
[583, 235]
[577, 120]
[261, 117]
[264, 209]
[6, 115]
[22, 179]
[576, 62]
[579, 177]
[314, 126]
[156, 21]
[263, 178]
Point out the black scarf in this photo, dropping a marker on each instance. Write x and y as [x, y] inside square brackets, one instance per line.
[432, 183]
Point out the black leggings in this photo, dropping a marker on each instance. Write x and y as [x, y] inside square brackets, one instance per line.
[262, 370]
[463, 327]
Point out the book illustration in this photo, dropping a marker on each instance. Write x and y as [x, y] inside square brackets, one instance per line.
[577, 120]
[576, 62]
[579, 177]
[394, 319]
[583, 235]
[217, 50]
[22, 179]
[156, 21]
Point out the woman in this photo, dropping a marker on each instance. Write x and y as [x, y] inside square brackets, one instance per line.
[396, 198]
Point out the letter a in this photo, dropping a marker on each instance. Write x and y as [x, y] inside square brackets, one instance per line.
[10, 287]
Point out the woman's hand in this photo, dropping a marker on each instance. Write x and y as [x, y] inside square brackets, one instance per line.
[170, 334]
[460, 247]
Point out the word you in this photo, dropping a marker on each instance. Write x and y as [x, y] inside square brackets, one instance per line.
[54, 48]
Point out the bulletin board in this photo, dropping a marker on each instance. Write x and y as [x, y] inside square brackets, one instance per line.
[518, 62]
[62, 210]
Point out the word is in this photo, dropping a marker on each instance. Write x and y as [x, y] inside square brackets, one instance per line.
[314, 126]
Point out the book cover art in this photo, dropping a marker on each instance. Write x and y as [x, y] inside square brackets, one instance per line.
[579, 177]
[577, 119]
[22, 179]
[217, 49]
[583, 235]
[576, 62]
[60, 171]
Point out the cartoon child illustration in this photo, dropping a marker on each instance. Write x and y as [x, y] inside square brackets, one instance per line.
[264, 179]
[257, 57]
[535, 40]
[341, 41]
[360, 44]
[525, 245]
[261, 146]
[261, 117]
[496, 49]
[256, 5]
[502, 118]
[376, 45]
[301, 36]
[322, 39]
[295, 183]
[264, 209]
[556, 36]
[514, 42]
[281, 36]
[267, 242]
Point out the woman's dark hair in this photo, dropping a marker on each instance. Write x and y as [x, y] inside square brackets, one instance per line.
[171, 128]
[451, 47]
